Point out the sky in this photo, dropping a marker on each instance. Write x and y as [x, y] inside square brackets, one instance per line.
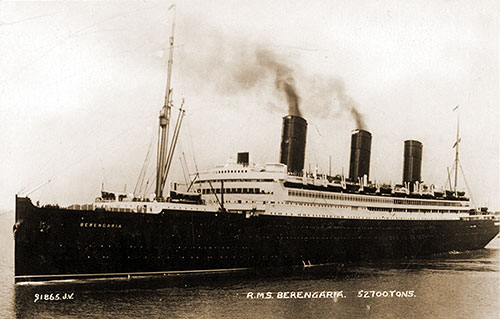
[82, 83]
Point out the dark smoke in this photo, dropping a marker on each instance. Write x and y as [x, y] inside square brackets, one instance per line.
[359, 119]
[284, 80]
[292, 98]
[238, 65]
[235, 65]
[329, 97]
[323, 95]
[346, 102]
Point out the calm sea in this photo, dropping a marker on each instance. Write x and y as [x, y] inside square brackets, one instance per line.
[462, 285]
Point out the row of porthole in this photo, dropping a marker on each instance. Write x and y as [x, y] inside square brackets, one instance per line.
[314, 204]
[371, 199]
[349, 238]
[337, 197]
[324, 238]
[207, 257]
[209, 247]
[335, 227]
[232, 171]
[351, 217]
[369, 208]
[182, 257]
[425, 203]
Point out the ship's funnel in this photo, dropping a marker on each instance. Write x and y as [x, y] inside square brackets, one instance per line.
[361, 143]
[412, 163]
[293, 143]
[243, 158]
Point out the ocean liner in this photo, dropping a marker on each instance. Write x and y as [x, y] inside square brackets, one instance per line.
[241, 215]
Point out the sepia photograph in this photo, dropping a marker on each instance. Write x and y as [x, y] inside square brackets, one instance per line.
[250, 159]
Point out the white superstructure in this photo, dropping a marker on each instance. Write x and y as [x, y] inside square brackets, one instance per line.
[254, 190]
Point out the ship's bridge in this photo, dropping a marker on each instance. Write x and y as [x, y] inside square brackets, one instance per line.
[240, 186]
[247, 172]
[240, 178]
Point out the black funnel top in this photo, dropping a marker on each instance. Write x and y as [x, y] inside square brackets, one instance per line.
[412, 162]
[361, 143]
[293, 143]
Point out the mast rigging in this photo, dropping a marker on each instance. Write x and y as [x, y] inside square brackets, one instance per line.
[164, 119]
[456, 151]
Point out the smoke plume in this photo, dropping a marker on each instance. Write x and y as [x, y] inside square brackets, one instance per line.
[323, 96]
[327, 96]
[237, 65]
[284, 80]
[346, 102]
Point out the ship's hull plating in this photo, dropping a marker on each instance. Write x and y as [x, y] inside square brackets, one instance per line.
[55, 243]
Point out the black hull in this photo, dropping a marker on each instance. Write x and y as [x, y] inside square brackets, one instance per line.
[56, 243]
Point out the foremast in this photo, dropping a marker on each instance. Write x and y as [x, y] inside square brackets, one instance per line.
[457, 142]
[163, 159]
